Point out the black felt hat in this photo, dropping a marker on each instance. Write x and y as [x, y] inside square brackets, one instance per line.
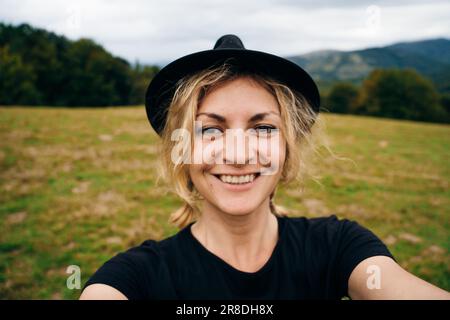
[228, 48]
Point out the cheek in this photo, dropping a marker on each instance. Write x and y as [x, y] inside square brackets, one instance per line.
[205, 152]
[195, 171]
[272, 154]
[198, 177]
[282, 155]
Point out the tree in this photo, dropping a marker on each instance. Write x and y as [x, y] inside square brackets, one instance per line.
[445, 102]
[16, 80]
[400, 94]
[94, 77]
[142, 75]
[342, 98]
[40, 67]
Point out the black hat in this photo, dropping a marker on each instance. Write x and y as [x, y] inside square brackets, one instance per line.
[228, 48]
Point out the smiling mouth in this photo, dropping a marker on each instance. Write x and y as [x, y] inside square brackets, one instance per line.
[237, 179]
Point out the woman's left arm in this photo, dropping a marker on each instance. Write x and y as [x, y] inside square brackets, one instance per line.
[380, 277]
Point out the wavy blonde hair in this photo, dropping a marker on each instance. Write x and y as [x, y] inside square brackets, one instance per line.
[296, 114]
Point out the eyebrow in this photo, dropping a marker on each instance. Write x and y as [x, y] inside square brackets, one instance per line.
[256, 117]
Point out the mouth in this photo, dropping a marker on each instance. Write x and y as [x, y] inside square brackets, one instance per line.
[238, 182]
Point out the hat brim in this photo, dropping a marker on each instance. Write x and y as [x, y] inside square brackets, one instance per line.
[162, 88]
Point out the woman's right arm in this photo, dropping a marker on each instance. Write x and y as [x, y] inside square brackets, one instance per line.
[100, 291]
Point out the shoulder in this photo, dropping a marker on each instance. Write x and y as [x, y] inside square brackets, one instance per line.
[150, 251]
[330, 226]
[318, 222]
[333, 234]
[136, 271]
[334, 247]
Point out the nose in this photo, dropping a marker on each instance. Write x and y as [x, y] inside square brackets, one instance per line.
[237, 148]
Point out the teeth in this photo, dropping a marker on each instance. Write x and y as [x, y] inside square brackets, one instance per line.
[237, 179]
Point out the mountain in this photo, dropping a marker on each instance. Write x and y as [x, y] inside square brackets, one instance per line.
[431, 58]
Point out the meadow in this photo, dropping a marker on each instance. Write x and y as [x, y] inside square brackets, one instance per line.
[78, 186]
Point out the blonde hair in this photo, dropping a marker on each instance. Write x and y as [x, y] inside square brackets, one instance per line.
[296, 114]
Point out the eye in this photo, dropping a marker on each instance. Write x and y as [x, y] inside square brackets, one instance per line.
[209, 132]
[265, 130]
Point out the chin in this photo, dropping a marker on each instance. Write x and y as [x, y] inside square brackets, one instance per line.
[237, 209]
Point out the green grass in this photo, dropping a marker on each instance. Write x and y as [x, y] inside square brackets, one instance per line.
[78, 185]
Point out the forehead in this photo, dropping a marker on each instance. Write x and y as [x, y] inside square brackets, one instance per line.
[240, 97]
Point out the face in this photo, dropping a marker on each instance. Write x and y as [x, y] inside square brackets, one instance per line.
[239, 138]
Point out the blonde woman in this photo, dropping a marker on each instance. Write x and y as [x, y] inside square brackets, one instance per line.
[234, 123]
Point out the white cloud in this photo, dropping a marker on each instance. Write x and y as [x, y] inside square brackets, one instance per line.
[154, 31]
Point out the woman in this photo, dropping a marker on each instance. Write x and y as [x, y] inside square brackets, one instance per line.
[233, 124]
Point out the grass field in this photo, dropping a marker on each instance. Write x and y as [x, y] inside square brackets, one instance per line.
[78, 186]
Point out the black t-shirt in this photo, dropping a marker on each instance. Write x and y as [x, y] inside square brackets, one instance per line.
[313, 259]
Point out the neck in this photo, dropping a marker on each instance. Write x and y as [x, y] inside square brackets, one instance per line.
[244, 241]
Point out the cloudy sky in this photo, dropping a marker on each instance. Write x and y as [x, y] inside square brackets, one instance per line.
[159, 31]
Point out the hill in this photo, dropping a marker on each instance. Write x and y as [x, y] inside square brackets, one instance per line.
[431, 58]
